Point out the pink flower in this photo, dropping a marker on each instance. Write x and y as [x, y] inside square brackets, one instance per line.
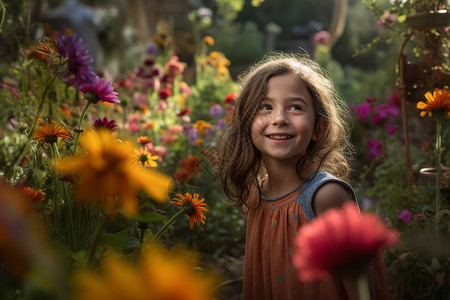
[405, 216]
[100, 91]
[390, 129]
[321, 37]
[375, 147]
[106, 124]
[339, 239]
[363, 111]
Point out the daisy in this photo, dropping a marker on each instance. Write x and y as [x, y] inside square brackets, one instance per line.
[437, 103]
[111, 125]
[49, 133]
[195, 214]
[145, 158]
[100, 91]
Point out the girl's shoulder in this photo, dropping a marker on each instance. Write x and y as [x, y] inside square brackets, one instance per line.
[314, 182]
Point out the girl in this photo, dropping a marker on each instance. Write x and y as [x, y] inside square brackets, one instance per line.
[288, 135]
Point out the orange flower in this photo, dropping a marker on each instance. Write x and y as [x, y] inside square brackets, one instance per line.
[201, 126]
[144, 140]
[160, 274]
[437, 103]
[36, 196]
[107, 175]
[49, 133]
[209, 40]
[338, 240]
[195, 215]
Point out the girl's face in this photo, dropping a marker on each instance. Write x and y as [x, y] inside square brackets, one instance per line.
[284, 124]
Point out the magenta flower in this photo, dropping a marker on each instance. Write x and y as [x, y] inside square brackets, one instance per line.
[383, 111]
[101, 91]
[111, 125]
[80, 71]
[375, 147]
[363, 111]
[405, 216]
[390, 129]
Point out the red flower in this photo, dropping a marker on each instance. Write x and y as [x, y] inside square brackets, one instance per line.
[230, 98]
[164, 94]
[339, 240]
[183, 112]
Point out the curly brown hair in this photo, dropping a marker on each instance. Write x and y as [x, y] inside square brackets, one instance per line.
[240, 162]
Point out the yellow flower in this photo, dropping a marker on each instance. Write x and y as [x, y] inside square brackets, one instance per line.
[201, 126]
[145, 158]
[49, 133]
[195, 215]
[437, 103]
[199, 142]
[209, 40]
[160, 274]
[107, 175]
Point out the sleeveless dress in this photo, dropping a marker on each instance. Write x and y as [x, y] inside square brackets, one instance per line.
[271, 231]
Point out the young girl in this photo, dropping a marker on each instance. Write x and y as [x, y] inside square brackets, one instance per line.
[283, 159]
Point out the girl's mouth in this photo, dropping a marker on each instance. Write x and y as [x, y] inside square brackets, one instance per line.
[279, 137]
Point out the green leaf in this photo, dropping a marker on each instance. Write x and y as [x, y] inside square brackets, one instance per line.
[116, 240]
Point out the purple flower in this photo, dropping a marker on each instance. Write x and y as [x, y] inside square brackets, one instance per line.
[193, 136]
[105, 123]
[101, 91]
[151, 49]
[405, 216]
[79, 71]
[363, 111]
[390, 129]
[382, 113]
[375, 147]
[216, 111]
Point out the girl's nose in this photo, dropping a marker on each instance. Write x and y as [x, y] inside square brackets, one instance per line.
[279, 118]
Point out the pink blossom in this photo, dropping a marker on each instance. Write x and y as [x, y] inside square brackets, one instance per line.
[375, 147]
[363, 111]
[405, 216]
[390, 129]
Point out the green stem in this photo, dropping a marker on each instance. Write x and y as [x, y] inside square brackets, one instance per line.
[79, 129]
[363, 287]
[168, 223]
[2, 18]
[438, 172]
[98, 234]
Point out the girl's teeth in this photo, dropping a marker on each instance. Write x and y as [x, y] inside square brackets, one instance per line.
[279, 137]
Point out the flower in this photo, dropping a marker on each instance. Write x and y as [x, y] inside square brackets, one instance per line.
[209, 40]
[100, 91]
[35, 195]
[405, 216]
[79, 71]
[195, 214]
[107, 171]
[375, 147]
[144, 140]
[363, 111]
[49, 133]
[111, 125]
[164, 94]
[437, 103]
[201, 126]
[215, 111]
[183, 112]
[145, 158]
[160, 274]
[338, 240]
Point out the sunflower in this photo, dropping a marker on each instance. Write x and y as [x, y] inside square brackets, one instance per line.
[107, 175]
[195, 215]
[437, 103]
[145, 158]
[49, 133]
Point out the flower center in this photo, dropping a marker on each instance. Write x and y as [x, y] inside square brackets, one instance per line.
[91, 97]
[51, 139]
[143, 158]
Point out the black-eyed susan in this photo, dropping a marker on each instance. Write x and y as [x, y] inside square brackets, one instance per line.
[107, 175]
[160, 274]
[438, 104]
[195, 207]
[145, 158]
[49, 133]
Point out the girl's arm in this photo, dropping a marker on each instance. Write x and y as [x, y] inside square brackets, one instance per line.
[333, 195]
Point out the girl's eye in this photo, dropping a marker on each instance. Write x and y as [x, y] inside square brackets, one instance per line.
[265, 107]
[295, 107]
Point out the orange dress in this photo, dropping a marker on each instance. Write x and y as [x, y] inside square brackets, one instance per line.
[271, 231]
